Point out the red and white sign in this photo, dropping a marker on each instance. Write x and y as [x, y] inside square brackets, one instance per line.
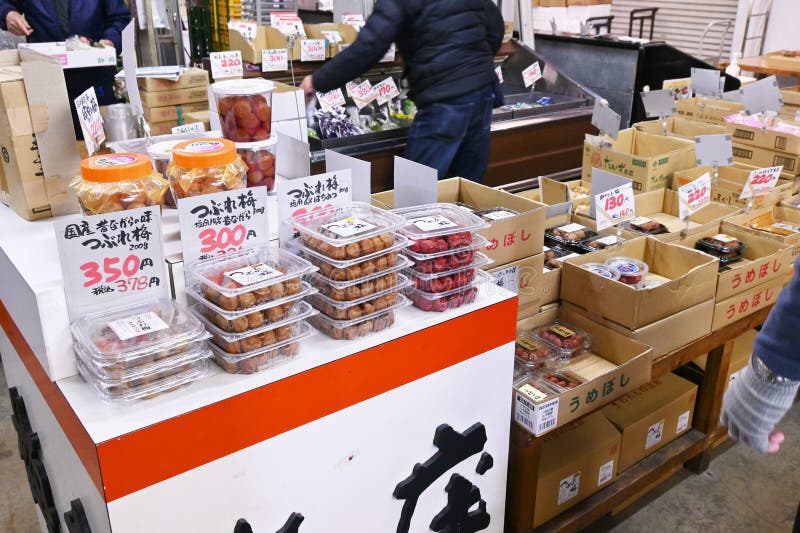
[614, 206]
[312, 50]
[355, 20]
[761, 181]
[386, 90]
[694, 196]
[363, 94]
[226, 64]
[90, 120]
[532, 74]
[274, 60]
[331, 99]
[247, 28]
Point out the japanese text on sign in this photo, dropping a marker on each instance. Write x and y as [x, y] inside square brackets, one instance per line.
[761, 181]
[614, 206]
[312, 50]
[274, 60]
[694, 196]
[113, 256]
[386, 90]
[756, 273]
[300, 196]
[248, 28]
[194, 127]
[226, 64]
[331, 99]
[508, 278]
[531, 74]
[90, 120]
[363, 93]
[224, 222]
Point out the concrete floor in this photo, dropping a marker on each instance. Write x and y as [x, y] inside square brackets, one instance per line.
[742, 491]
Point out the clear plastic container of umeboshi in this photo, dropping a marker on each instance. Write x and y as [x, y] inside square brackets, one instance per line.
[245, 109]
[205, 166]
[118, 182]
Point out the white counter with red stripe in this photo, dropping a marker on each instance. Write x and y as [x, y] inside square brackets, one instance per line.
[331, 434]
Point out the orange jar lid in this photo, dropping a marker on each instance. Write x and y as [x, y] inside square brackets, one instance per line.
[204, 153]
[116, 167]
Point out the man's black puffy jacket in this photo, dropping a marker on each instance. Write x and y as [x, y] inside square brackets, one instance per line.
[448, 47]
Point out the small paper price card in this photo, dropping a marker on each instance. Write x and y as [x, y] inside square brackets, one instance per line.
[312, 50]
[194, 127]
[761, 181]
[694, 196]
[223, 222]
[614, 206]
[108, 258]
[248, 28]
[226, 64]
[386, 90]
[91, 122]
[531, 74]
[333, 36]
[274, 60]
[331, 99]
[362, 94]
[303, 195]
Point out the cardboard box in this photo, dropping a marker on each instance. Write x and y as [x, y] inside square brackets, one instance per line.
[96, 56]
[551, 3]
[663, 206]
[770, 139]
[732, 180]
[761, 158]
[789, 215]
[190, 77]
[170, 113]
[652, 416]
[268, 38]
[575, 462]
[692, 274]
[682, 127]
[791, 96]
[198, 116]
[648, 160]
[162, 128]
[526, 280]
[708, 109]
[540, 415]
[171, 98]
[747, 303]
[663, 336]
[785, 175]
[510, 239]
[37, 139]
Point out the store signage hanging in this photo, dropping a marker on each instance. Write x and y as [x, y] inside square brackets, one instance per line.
[226, 64]
[274, 60]
[331, 99]
[386, 90]
[694, 196]
[761, 181]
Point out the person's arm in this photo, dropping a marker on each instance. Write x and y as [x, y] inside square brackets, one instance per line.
[11, 18]
[116, 16]
[760, 397]
[495, 27]
[374, 39]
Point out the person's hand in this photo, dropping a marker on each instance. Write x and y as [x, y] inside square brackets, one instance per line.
[307, 86]
[752, 407]
[106, 42]
[17, 24]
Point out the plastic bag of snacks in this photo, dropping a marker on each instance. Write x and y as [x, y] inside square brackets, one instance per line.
[205, 166]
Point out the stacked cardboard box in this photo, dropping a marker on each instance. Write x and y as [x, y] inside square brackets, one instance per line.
[791, 103]
[166, 102]
[268, 37]
[760, 147]
[708, 109]
[682, 127]
[788, 216]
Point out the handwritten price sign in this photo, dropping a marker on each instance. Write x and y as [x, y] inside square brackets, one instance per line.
[761, 181]
[312, 50]
[614, 206]
[90, 120]
[362, 94]
[194, 127]
[224, 222]
[386, 90]
[300, 196]
[226, 64]
[694, 196]
[532, 74]
[331, 99]
[274, 60]
[115, 258]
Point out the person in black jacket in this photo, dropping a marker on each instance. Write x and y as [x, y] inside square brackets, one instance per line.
[448, 47]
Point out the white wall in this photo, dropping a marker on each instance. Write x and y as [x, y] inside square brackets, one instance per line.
[781, 32]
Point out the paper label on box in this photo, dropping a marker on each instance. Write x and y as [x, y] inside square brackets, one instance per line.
[136, 325]
[433, 223]
[721, 237]
[608, 241]
[312, 50]
[508, 278]
[247, 28]
[683, 422]
[654, 435]
[386, 90]
[348, 227]
[606, 473]
[547, 416]
[569, 487]
[224, 222]
[562, 331]
[333, 36]
[499, 215]
[535, 418]
[331, 99]
[499, 73]
[525, 412]
[570, 228]
[614, 206]
[363, 94]
[355, 20]
[781, 225]
[194, 127]
[694, 196]
[532, 74]
[761, 181]
[226, 64]
[90, 120]
[253, 274]
[274, 60]
[532, 392]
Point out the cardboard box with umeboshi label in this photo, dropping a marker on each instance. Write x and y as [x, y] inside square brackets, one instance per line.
[776, 223]
[731, 183]
[747, 303]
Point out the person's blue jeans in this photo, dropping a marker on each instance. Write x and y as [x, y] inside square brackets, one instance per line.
[453, 136]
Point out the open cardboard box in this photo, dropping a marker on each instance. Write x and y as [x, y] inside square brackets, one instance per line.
[663, 206]
[784, 175]
[191, 95]
[748, 302]
[681, 127]
[553, 193]
[510, 239]
[649, 160]
[268, 37]
[540, 415]
[528, 273]
[732, 180]
[708, 109]
[692, 275]
[761, 158]
[767, 138]
[788, 215]
[40, 155]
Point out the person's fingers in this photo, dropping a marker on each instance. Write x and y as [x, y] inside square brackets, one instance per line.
[777, 437]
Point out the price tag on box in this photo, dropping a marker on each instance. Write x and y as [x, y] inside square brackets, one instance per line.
[194, 127]
[333, 36]
[508, 278]
[614, 206]
[226, 64]
[274, 60]
[694, 196]
[303, 195]
[112, 259]
[248, 28]
[761, 181]
[331, 99]
[714, 150]
[386, 90]
[532, 74]
[312, 50]
[90, 120]
[605, 119]
[223, 222]
[363, 94]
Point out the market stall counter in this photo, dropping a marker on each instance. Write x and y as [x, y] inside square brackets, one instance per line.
[343, 432]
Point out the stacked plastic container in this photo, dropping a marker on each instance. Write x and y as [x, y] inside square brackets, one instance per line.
[252, 304]
[541, 355]
[358, 255]
[140, 351]
[445, 270]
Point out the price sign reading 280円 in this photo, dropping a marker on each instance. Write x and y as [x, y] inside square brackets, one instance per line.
[111, 260]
